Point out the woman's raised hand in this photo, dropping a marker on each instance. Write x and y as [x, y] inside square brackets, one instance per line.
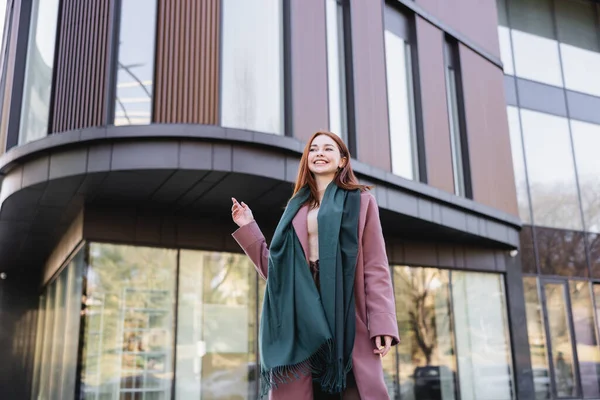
[241, 213]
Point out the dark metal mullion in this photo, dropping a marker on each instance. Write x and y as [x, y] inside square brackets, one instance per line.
[569, 310]
[522, 137]
[175, 325]
[397, 383]
[57, 44]
[81, 349]
[462, 122]
[419, 133]
[542, 296]
[350, 104]
[287, 109]
[595, 312]
[17, 91]
[112, 58]
[453, 335]
[568, 109]
[155, 63]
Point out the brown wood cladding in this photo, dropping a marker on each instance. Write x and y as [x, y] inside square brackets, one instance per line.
[79, 95]
[187, 67]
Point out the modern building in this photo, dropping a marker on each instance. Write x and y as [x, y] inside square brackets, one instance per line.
[127, 125]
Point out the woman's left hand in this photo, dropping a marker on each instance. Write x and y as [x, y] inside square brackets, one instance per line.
[382, 345]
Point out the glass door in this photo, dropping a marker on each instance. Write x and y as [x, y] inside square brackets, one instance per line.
[559, 334]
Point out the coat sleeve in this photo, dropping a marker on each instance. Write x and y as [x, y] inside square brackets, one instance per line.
[252, 241]
[379, 292]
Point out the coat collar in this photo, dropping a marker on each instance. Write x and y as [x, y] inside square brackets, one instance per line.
[301, 227]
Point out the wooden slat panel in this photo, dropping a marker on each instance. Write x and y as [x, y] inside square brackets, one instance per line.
[187, 66]
[82, 50]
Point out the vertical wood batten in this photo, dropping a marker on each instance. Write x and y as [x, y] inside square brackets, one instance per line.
[187, 66]
[82, 50]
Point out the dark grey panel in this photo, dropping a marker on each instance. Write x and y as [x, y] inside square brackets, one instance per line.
[177, 185]
[195, 155]
[131, 185]
[68, 163]
[193, 194]
[480, 259]
[396, 22]
[145, 155]
[222, 157]
[59, 192]
[36, 171]
[445, 255]
[420, 254]
[403, 203]
[510, 90]
[259, 162]
[540, 97]
[21, 206]
[99, 157]
[517, 320]
[584, 107]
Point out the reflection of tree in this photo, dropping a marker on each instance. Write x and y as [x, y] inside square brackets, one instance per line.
[556, 205]
[561, 252]
[417, 292]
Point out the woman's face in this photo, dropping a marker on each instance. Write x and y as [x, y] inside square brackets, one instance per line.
[324, 156]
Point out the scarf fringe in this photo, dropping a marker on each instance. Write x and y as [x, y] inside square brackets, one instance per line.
[329, 373]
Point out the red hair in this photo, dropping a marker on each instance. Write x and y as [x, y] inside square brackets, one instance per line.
[344, 177]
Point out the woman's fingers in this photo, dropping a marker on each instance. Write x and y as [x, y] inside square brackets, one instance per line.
[378, 346]
[388, 345]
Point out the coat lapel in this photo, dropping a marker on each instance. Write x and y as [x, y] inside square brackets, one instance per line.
[301, 227]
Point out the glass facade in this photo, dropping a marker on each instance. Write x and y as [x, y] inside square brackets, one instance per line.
[455, 336]
[551, 50]
[135, 64]
[336, 70]
[400, 94]
[38, 71]
[158, 323]
[252, 65]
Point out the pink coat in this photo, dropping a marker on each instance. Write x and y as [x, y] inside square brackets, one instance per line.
[374, 296]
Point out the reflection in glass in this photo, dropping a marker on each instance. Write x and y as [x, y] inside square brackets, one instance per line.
[518, 158]
[588, 352]
[579, 47]
[401, 106]
[593, 241]
[586, 142]
[561, 252]
[426, 354]
[216, 336]
[482, 340]
[128, 351]
[551, 171]
[55, 364]
[252, 65]
[135, 69]
[537, 339]
[534, 43]
[560, 340]
[336, 68]
[38, 71]
[527, 250]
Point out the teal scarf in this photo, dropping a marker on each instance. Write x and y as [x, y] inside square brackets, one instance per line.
[302, 332]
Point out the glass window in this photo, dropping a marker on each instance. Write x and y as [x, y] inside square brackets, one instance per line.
[534, 43]
[580, 49]
[551, 171]
[453, 93]
[586, 141]
[38, 71]
[400, 95]
[252, 65]
[527, 249]
[135, 68]
[482, 339]
[561, 252]
[560, 340]
[336, 68]
[426, 354]
[216, 337]
[537, 339]
[586, 339]
[129, 324]
[58, 334]
[506, 54]
[516, 144]
[593, 240]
